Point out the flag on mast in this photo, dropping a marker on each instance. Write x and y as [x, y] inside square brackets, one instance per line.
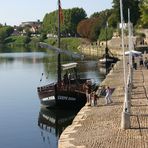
[61, 13]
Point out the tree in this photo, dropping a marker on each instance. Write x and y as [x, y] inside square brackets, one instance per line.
[103, 36]
[133, 5]
[84, 28]
[5, 31]
[112, 21]
[144, 13]
[91, 28]
[77, 14]
[71, 19]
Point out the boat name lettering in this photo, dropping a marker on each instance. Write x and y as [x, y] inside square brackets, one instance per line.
[66, 98]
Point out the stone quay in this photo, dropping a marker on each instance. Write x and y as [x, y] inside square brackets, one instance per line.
[100, 126]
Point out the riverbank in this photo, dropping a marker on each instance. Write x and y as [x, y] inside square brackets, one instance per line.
[101, 126]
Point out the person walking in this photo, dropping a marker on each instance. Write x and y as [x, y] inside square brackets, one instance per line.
[146, 62]
[93, 99]
[87, 89]
[141, 62]
[108, 95]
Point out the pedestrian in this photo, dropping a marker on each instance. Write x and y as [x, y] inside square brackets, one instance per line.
[146, 62]
[108, 95]
[141, 62]
[93, 99]
[87, 89]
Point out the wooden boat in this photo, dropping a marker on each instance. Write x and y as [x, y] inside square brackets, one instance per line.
[72, 94]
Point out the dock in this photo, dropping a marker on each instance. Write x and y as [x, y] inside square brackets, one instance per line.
[100, 126]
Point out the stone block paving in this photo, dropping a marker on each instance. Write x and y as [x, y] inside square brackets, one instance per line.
[100, 127]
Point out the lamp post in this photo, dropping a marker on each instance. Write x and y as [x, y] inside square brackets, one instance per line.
[125, 121]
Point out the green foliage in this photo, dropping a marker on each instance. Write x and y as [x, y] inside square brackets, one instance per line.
[71, 19]
[105, 14]
[144, 13]
[95, 14]
[34, 40]
[77, 14]
[49, 24]
[5, 31]
[106, 34]
[42, 37]
[66, 43]
[20, 40]
[133, 5]
[112, 21]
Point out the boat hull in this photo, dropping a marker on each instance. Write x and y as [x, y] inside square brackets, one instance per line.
[70, 99]
[107, 62]
[71, 96]
[48, 102]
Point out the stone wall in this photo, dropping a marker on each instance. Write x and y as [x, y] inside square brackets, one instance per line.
[96, 50]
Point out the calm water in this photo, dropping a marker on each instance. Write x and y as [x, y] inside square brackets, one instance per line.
[23, 124]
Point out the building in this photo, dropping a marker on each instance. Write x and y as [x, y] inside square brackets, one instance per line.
[33, 26]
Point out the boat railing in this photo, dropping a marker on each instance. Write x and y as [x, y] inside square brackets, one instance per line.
[75, 85]
[50, 86]
[71, 87]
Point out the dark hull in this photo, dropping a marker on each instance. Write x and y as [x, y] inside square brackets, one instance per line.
[72, 96]
[107, 63]
[47, 95]
[70, 99]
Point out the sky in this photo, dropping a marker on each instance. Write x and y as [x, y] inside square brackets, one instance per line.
[13, 12]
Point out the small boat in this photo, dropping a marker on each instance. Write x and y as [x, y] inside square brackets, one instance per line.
[107, 60]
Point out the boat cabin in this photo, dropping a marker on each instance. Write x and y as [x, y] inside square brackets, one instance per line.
[70, 71]
[69, 66]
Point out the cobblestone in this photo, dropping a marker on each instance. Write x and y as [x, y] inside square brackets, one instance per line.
[100, 127]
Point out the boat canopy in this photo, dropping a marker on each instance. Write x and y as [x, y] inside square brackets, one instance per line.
[69, 66]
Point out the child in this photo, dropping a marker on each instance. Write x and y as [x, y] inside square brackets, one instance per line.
[108, 95]
[93, 99]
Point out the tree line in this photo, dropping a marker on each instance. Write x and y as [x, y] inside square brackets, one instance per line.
[77, 23]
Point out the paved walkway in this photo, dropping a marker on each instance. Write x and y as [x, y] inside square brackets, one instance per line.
[100, 127]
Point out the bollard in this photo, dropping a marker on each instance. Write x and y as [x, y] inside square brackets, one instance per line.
[125, 120]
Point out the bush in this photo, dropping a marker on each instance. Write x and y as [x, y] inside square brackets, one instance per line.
[103, 36]
[18, 40]
[66, 43]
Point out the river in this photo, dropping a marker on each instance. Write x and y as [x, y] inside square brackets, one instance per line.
[23, 123]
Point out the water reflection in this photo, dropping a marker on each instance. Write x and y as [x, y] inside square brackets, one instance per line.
[20, 74]
[52, 122]
[32, 57]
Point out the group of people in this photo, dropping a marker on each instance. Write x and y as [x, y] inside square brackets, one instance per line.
[142, 62]
[92, 96]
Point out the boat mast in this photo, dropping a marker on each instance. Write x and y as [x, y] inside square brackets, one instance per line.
[106, 50]
[59, 36]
